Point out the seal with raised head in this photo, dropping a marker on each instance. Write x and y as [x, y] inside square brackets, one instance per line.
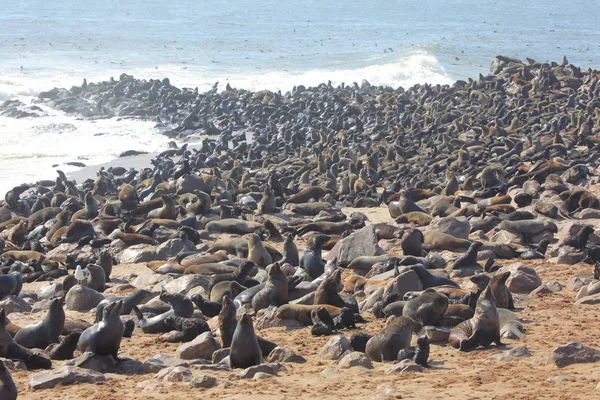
[41, 334]
[245, 350]
[502, 296]
[239, 275]
[419, 353]
[257, 252]
[275, 291]
[290, 251]
[328, 290]
[482, 329]
[10, 349]
[104, 338]
[312, 260]
[397, 334]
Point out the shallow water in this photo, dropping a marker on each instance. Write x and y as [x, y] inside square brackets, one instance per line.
[253, 45]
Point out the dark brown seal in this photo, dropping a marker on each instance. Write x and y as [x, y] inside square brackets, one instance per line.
[395, 336]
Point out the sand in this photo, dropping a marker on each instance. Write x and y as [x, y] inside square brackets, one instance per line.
[550, 321]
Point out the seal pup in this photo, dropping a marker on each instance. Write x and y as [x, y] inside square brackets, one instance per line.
[245, 350]
[397, 334]
[580, 239]
[482, 329]
[41, 334]
[65, 349]
[419, 353]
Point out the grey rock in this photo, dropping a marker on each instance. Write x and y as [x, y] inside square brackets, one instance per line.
[220, 355]
[522, 279]
[511, 354]
[174, 374]
[271, 369]
[283, 354]
[334, 348]
[457, 227]
[574, 353]
[107, 364]
[403, 367]
[50, 290]
[151, 279]
[184, 284]
[405, 282]
[64, 376]
[355, 359]
[12, 304]
[201, 347]
[203, 381]
[160, 361]
[361, 243]
[82, 298]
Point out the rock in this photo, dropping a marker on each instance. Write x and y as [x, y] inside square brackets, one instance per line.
[334, 348]
[14, 365]
[457, 227]
[220, 355]
[330, 371]
[575, 283]
[404, 366]
[283, 354]
[65, 376]
[271, 369]
[568, 255]
[172, 247]
[509, 355]
[555, 286]
[267, 318]
[590, 300]
[547, 209]
[184, 284]
[150, 280]
[262, 375]
[161, 361]
[107, 364]
[437, 335]
[203, 381]
[50, 290]
[574, 353]
[140, 253]
[12, 304]
[82, 298]
[201, 347]
[522, 278]
[41, 305]
[541, 290]
[174, 374]
[360, 243]
[355, 359]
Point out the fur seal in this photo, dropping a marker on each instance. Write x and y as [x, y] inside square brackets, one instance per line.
[229, 288]
[257, 252]
[311, 192]
[469, 259]
[419, 353]
[502, 296]
[427, 308]
[41, 334]
[411, 243]
[526, 229]
[188, 328]
[302, 313]
[235, 226]
[328, 290]
[65, 349]
[12, 350]
[275, 291]
[580, 239]
[312, 260]
[104, 338]
[8, 389]
[397, 334]
[239, 275]
[441, 241]
[245, 350]
[430, 280]
[290, 251]
[266, 205]
[482, 329]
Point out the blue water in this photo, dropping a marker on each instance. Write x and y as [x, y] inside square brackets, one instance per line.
[256, 45]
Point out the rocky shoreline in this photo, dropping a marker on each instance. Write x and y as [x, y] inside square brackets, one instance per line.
[410, 225]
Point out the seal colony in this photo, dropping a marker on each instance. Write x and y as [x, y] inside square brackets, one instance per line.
[241, 236]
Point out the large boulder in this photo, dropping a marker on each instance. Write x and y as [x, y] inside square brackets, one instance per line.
[201, 347]
[184, 284]
[457, 227]
[334, 348]
[522, 279]
[64, 376]
[574, 353]
[143, 252]
[82, 298]
[359, 244]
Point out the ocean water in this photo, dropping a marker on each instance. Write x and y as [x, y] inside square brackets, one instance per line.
[253, 45]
